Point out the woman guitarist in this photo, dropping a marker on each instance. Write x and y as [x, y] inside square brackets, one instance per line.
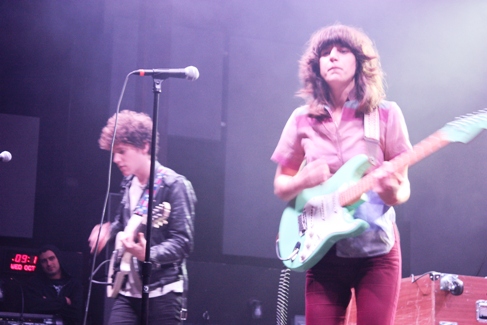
[343, 82]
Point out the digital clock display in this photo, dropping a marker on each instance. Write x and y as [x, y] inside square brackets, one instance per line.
[21, 261]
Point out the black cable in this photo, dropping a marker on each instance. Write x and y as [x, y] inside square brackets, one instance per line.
[432, 274]
[96, 270]
[22, 309]
[481, 265]
[105, 204]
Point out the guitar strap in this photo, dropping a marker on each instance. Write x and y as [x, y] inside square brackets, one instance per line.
[184, 298]
[184, 303]
[141, 208]
[372, 135]
[142, 205]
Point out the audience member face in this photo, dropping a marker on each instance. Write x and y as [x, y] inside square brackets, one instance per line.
[50, 264]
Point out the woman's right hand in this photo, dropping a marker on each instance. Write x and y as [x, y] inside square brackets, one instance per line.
[288, 182]
[314, 173]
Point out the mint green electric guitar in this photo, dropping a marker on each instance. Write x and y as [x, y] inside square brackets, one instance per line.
[322, 215]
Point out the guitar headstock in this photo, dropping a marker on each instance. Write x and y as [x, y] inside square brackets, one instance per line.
[160, 214]
[465, 128]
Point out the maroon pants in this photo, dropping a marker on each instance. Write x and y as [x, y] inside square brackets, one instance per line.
[376, 281]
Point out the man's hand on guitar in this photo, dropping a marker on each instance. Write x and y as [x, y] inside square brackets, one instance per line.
[137, 247]
[104, 237]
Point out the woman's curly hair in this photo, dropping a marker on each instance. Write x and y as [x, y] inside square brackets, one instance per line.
[369, 77]
[133, 128]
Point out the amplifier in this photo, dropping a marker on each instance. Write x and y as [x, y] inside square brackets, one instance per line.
[28, 319]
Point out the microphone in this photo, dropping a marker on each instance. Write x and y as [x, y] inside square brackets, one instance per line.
[5, 156]
[451, 283]
[190, 73]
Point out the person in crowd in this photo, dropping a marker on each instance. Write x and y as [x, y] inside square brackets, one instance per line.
[52, 290]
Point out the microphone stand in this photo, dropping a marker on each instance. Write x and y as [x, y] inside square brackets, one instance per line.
[147, 265]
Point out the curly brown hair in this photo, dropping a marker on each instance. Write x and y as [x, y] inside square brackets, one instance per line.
[133, 128]
[369, 77]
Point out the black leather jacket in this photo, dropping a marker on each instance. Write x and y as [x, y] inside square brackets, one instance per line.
[172, 243]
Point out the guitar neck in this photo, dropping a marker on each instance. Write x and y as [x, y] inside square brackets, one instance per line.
[421, 150]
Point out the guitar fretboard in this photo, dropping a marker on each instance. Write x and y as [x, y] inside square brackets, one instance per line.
[421, 150]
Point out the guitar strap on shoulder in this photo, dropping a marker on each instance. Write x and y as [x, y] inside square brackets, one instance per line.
[372, 135]
[141, 208]
[184, 298]
[159, 184]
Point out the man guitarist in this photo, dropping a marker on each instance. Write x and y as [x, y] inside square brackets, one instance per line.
[343, 85]
[170, 244]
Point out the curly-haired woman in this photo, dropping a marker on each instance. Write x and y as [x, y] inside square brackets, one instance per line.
[342, 85]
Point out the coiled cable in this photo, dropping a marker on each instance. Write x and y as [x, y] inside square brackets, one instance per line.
[283, 297]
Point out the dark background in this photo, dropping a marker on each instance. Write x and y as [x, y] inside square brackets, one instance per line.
[63, 63]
